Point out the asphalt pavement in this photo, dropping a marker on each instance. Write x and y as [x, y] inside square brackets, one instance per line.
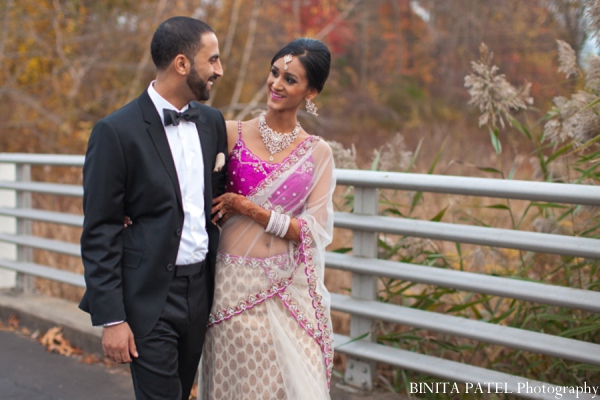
[29, 372]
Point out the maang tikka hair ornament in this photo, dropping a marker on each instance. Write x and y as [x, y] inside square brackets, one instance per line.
[311, 108]
[287, 59]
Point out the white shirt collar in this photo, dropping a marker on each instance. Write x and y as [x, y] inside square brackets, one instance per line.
[160, 103]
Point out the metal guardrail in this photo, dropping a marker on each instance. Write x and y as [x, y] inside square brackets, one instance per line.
[366, 268]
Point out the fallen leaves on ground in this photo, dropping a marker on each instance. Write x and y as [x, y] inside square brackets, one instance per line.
[13, 325]
[88, 358]
[13, 322]
[54, 341]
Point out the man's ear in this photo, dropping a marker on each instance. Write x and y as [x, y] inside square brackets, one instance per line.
[181, 64]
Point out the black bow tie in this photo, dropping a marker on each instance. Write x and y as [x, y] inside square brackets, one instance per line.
[173, 117]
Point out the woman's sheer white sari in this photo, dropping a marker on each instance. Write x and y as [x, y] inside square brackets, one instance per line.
[269, 333]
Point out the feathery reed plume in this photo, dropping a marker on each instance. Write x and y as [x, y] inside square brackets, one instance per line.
[548, 225]
[592, 13]
[394, 156]
[567, 59]
[592, 74]
[578, 118]
[491, 92]
[343, 158]
[573, 120]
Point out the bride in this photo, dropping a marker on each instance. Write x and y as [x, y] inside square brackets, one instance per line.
[269, 334]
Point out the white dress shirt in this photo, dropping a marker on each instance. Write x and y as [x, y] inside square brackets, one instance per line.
[187, 155]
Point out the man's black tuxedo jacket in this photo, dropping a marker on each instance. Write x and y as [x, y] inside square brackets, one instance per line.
[129, 170]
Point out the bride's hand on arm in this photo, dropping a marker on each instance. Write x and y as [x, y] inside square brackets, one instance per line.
[226, 206]
[230, 204]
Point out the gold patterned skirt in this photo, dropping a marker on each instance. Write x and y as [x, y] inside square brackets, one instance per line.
[255, 347]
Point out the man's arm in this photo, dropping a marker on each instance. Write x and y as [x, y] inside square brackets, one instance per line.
[104, 175]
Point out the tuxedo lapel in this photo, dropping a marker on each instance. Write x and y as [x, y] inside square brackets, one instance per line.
[159, 138]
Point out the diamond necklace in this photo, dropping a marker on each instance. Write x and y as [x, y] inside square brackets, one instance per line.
[275, 141]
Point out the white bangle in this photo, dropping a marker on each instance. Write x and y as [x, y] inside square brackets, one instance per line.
[286, 225]
[278, 224]
[271, 224]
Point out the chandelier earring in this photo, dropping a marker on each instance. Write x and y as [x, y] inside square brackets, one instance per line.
[311, 108]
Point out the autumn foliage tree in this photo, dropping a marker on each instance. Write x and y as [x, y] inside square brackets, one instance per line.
[397, 64]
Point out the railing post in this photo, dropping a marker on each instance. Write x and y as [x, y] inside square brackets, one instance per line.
[8, 225]
[25, 283]
[361, 373]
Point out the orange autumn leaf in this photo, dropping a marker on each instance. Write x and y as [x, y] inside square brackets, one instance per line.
[54, 341]
[13, 322]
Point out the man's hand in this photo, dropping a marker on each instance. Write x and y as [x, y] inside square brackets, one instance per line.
[118, 343]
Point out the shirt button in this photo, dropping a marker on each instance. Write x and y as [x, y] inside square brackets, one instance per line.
[178, 232]
[170, 267]
[193, 228]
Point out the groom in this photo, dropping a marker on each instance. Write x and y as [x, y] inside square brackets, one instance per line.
[151, 285]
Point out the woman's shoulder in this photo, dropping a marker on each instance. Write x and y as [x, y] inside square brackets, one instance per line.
[237, 126]
[320, 145]
[232, 125]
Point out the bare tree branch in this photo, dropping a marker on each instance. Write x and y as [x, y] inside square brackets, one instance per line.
[252, 104]
[4, 31]
[23, 98]
[235, 14]
[235, 97]
[337, 20]
[143, 64]
[296, 17]
[77, 73]
[328, 28]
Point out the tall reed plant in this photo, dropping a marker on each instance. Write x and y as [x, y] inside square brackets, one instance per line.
[566, 148]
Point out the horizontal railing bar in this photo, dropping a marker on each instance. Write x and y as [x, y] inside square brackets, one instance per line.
[448, 184]
[68, 160]
[43, 216]
[495, 237]
[554, 346]
[39, 243]
[46, 188]
[471, 186]
[43, 271]
[468, 281]
[450, 370]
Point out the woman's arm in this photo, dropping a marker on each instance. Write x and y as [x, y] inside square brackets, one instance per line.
[232, 134]
[318, 203]
[231, 204]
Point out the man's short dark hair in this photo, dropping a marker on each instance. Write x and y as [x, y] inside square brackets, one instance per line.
[177, 35]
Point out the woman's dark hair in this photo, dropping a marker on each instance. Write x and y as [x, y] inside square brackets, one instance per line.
[314, 56]
[177, 35]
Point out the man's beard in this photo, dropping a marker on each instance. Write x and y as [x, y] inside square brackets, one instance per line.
[197, 85]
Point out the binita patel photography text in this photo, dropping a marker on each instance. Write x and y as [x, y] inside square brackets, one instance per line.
[503, 387]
